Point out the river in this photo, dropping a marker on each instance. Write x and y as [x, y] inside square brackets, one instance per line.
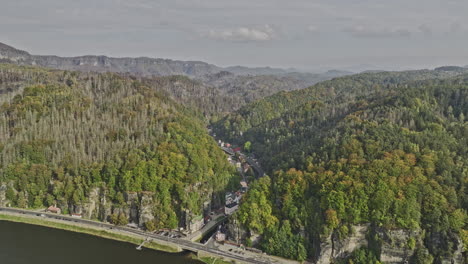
[30, 244]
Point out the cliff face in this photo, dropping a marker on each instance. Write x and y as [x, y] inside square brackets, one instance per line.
[144, 209]
[395, 246]
[142, 66]
[449, 252]
[97, 206]
[235, 231]
[3, 200]
[137, 207]
[333, 248]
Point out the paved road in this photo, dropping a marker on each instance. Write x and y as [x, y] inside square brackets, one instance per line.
[228, 151]
[184, 244]
[255, 166]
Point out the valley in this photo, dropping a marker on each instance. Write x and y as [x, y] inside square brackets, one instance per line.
[279, 166]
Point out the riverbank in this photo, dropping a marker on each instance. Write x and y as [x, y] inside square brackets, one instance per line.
[102, 233]
[73, 227]
[134, 236]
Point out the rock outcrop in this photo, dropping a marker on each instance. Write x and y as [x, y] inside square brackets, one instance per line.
[457, 256]
[3, 200]
[396, 246]
[235, 231]
[138, 207]
[325, 253]
[333, 248]
[343, 248]
[145, 212]
[96, 207]
[447, 246]
[133, 205]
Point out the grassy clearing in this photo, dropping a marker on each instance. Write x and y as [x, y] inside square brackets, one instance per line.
[85, 230]
[210, 260]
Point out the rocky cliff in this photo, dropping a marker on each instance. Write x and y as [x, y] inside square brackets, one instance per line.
[333, 248]
[142, 66]
[137, 207]
[3, 200]
[395, 246]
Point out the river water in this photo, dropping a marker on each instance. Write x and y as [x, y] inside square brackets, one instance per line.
[29, 244]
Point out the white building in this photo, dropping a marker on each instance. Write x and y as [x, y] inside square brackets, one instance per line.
[229, 209]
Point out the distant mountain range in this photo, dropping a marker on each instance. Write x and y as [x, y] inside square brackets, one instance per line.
[141, 66]
[138, 66]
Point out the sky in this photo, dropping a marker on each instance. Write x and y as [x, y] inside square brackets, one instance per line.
[310, 35]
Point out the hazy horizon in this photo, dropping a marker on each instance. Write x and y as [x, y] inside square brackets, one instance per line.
[305, 35]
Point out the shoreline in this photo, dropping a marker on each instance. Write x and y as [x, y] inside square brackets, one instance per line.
[97, 232]
[222, 254]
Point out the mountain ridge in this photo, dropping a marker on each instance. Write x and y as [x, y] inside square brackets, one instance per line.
[143, 65]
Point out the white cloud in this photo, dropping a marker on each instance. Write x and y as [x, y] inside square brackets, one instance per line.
[244, 34]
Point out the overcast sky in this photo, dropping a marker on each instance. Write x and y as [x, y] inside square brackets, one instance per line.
[305, 34]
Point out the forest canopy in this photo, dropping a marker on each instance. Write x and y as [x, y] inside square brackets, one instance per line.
[64, 134]
[388, 149]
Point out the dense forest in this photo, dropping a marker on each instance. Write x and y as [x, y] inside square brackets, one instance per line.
[64, 134]
[211, 90]
[389, 149]
[216, 95]
[385, 150]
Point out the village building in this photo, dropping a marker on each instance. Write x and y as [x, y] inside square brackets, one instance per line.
[244, 186]
[193, 223]
[54, 210]
[231, 208]
[232, 202]
[220, 237]
[197, 223]
[77, 215]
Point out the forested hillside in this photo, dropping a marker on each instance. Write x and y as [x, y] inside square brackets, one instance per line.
[66, 137]
[336, 91]
[211, 90]
[385, 149]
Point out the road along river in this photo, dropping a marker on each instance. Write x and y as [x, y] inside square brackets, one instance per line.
[26, 244]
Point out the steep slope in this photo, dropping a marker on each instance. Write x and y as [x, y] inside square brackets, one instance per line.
[104, 146]
[382, 151]
[216, 95]
[252, 88]
[336, 91]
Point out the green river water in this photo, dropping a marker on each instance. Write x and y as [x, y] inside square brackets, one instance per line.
[29, 244]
